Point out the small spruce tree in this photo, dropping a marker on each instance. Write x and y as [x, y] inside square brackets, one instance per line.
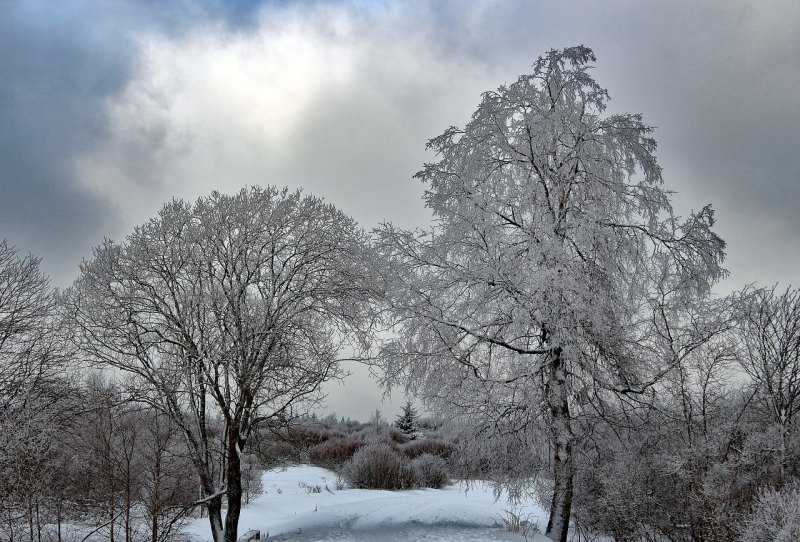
[407, 421]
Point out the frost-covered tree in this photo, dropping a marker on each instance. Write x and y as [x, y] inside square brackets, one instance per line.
[225, 314]
[35, 395]
[671, 464]
[770, 337]
[407, 420]
[775, 516]
[554, 247]
[31, 346]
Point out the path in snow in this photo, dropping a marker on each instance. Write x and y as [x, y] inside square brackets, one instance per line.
[291, 505]
[425, 533]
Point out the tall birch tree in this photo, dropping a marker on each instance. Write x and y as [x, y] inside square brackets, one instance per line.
[224, 314]
[554, 251]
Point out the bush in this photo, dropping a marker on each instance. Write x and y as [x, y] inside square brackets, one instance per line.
[306, 436]
[334, 452]
[775, 516]
[430, 471]
[416, 448]
[378, 466]
[398, 436]
[273, 450]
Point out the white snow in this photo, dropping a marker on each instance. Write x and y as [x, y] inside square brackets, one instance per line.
[290, 505]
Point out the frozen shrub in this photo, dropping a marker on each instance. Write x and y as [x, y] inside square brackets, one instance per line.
[775, 516]
[275, 449]
[416, 448]
[377, 466]
[408, 475]
[307, 436]
[398, 436]
[333, 452]
[430, 471]
[328, 434]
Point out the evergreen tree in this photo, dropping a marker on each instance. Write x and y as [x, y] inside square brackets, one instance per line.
[407, 421]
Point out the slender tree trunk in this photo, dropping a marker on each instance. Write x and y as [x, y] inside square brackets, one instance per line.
[214, 507]
[112, 505]
[30, 517]
[234, 487]
[10, 519]
[783, 450]
[59, 516]
[156, 502]
[38, 520]
[128, 504]
[563, 452]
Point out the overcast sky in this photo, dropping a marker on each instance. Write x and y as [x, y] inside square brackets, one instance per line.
[110, 108]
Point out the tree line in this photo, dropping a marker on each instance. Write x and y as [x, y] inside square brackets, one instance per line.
[557, 312]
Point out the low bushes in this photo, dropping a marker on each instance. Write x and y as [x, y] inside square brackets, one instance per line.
[398, 436]
[381, 466]
[430, 471]
[333, 452]
[416, 448]
[378, 466]
[376, 456]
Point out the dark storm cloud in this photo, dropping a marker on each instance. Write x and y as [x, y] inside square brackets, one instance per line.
[53, 75]
[58, 62]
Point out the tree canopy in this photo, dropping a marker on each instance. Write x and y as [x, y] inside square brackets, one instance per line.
[226, 313]
[554, 245]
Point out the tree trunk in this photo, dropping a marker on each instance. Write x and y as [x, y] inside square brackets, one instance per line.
[38, 521]
[30, 517]
[214, 507]
[128, 505]
[783, 418]
[155, 508]
[10, 519]
[561, 440]
[112, 506]
[59, 517]
[234, 484]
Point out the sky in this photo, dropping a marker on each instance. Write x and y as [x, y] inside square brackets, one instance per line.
[109, 108]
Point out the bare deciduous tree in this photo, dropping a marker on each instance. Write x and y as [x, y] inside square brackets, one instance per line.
[770, 337]
[226, 313]
[35, 396]
[30, 344]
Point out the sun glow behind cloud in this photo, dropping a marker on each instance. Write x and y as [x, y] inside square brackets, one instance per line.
[329, 96]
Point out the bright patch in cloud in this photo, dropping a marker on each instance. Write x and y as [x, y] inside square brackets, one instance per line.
[331, 100]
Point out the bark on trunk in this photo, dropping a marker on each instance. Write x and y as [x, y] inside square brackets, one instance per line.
[155, 499]
[562, 442]
[214, 507]
[234, 485]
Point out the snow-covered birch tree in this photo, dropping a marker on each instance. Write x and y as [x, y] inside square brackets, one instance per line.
[224, 314]
[554, 247]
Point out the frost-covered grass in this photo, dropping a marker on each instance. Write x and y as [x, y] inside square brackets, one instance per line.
[287, 506]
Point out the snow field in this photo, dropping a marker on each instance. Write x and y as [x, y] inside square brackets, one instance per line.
[304, 499]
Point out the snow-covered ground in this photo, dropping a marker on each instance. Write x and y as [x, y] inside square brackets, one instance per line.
[291, 506]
